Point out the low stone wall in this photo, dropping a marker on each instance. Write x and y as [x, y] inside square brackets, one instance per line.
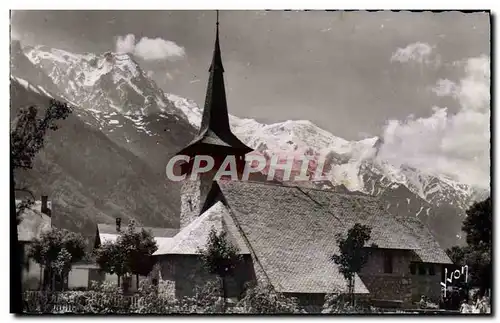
[388, 287]
[182, 275]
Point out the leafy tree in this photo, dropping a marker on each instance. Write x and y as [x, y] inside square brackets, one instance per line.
[220, 257]
[477, 253]
[478, 224]
[457, 254]
[62, 265]
[139, 247]
[56, 250]
[131, 253]
[27, 136]
[112, 259]
[353, 254]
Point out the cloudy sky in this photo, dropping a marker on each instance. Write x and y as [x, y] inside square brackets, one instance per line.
[420, 80]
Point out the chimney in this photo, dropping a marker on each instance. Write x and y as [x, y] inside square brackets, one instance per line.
[45, 207]
[118, 224]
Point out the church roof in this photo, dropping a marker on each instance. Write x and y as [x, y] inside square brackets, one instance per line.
[194, 236]
[292, 232]
[214, 127]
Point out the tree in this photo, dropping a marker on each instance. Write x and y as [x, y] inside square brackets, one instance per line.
[112, 259]
[62, 265]
[57, 250]
[27, 136]
[220, 257]
[457, 254]
[478, 224]
[139, 247]
[477, 253]
[353, 254]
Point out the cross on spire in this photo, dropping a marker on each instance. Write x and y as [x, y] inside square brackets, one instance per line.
[216, 59]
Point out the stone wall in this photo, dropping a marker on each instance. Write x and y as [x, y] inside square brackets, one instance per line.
[389, 288]
[401, 284]
[182, 275]
[193, 195]
[428, 285]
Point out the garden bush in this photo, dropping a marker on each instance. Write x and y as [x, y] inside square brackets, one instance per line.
[265, 300]
[340, 304]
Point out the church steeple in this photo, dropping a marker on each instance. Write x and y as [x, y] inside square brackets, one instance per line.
[214, 139]
[214, 128]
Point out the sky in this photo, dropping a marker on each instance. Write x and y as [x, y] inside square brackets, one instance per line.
[419, 80]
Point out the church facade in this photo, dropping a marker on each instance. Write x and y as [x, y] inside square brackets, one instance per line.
[286, 234]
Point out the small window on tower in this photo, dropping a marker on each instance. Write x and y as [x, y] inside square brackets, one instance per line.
[190, 205]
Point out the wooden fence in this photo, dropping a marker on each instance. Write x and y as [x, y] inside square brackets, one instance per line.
[57, 302]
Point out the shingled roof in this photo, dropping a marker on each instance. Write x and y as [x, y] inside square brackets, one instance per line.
[292, 232]
[386, 231]
[292, 237]
[33, 222]
[194, 237]
[430, 250]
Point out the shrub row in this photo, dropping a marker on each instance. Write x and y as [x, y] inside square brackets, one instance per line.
[109, 299]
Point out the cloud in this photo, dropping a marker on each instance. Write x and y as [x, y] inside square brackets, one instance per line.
[158, 49]
[149, 48]
[125, 44]
[444, 87]
[473, 91]
[445, 143]
[418, 52]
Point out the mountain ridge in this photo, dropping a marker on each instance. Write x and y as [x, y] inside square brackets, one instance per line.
[134, 113]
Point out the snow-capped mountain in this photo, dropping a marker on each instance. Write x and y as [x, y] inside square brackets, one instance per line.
[108, 158]
[106, 83]
[356, 164]
[89, 177]
[114, 96]
[21, 67]
[438, 200]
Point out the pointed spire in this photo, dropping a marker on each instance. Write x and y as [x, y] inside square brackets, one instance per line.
[217, 59]
[214, 127]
